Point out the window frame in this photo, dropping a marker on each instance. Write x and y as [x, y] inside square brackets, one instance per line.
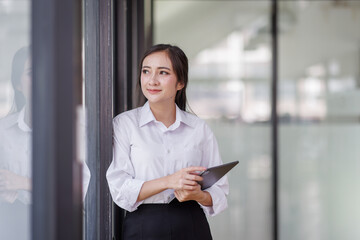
[56, 173]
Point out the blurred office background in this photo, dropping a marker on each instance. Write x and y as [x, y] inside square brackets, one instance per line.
[230, 48]
[229, 45]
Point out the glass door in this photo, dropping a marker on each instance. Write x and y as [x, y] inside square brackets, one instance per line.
[15, 120]
[229, 48]
[319, 109]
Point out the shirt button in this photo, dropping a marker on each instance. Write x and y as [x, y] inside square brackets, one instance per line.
[168, 151]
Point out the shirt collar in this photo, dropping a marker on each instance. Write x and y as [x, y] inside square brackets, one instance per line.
[184, 117]
[146, 116]
[21, 121]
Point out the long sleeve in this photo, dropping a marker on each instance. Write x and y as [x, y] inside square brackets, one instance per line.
[220, 190]
[85, 179]
[124, 188]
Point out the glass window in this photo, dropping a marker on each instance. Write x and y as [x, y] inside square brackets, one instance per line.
[319, 107]
[229, 50]
[15, 120]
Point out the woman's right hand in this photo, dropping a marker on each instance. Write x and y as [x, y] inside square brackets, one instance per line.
[185, 179]
[10, 181]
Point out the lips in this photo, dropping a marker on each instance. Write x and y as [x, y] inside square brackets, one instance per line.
[153, 91]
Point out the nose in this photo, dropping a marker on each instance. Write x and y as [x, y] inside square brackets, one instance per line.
[153, 80]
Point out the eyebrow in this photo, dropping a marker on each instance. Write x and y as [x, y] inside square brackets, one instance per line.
[158, 67]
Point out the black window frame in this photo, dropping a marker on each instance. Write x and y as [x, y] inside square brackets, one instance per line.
[98, 47]
[56, 59]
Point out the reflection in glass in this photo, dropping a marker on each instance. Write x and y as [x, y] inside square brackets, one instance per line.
[15, 152]
[228, 44]
[15, 120]
[319, 109]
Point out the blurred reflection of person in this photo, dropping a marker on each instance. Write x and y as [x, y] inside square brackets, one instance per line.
[15, 154]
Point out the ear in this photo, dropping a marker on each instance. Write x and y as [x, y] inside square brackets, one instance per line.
[179, 86]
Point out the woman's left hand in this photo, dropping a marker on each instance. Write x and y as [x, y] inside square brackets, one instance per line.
[186, 195]
[202, 197]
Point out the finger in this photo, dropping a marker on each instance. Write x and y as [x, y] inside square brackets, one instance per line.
[193, 169]
[194, 177]
[190, 187]
[190, 182]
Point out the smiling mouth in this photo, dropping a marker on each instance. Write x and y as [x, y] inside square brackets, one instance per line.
[153, 91]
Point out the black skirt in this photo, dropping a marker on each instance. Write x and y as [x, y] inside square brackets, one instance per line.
[173, 221]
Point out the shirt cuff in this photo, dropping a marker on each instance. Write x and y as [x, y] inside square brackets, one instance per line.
[130, 193]
[8, 196]
[219, 201]
[24, 197]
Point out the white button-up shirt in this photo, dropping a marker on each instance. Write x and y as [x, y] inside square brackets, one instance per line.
[15, 150]
[144, 149]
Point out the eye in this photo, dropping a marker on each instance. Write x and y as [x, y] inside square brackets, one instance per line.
[164, 73]
[145, 71]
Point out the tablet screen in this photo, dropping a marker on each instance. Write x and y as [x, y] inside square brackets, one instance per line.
[213, 174]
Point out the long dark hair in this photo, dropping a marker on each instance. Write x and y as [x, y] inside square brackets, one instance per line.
[17, 70]
[180, 65]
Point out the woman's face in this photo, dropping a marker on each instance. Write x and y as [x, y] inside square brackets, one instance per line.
[26, 81]
[159, 83]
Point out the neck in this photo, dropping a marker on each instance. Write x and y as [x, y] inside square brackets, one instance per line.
[164, 113]
[27, 116]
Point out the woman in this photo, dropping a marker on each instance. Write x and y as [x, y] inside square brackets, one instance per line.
[159, 149]
[15, 154]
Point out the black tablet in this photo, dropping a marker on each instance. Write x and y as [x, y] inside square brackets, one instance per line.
[213, 174]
